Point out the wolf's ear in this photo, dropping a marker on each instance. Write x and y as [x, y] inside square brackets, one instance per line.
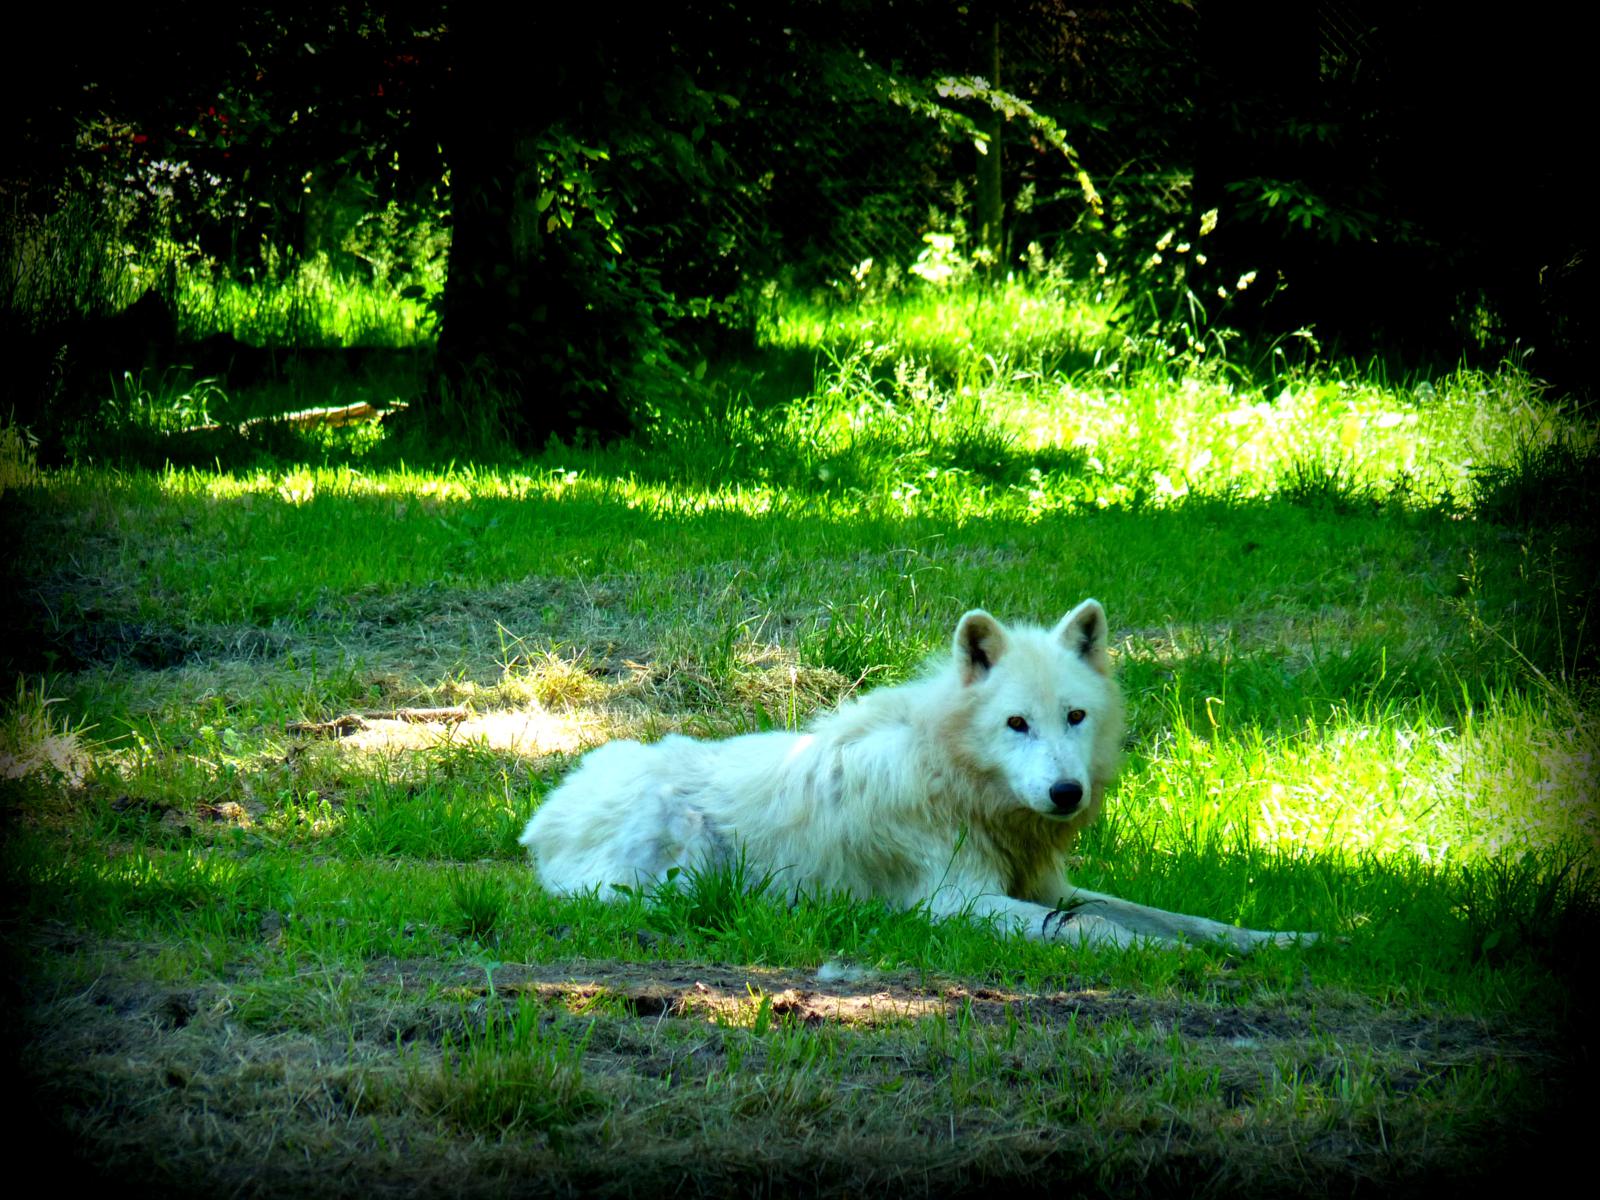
[1083, 631]
[980, 641]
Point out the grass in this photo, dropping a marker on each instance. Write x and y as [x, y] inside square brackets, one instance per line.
[307, 302]
[261, 918]
[964, 328]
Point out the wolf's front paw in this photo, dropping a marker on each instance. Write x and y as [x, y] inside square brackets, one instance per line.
[1080, 928]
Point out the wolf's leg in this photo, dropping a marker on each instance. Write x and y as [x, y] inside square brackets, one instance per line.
[1156, 922]
[1040, 923]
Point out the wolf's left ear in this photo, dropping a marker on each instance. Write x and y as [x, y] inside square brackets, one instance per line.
[979, 642]
[1083, 631]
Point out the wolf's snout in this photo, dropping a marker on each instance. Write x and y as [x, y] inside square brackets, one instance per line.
[1066, 795]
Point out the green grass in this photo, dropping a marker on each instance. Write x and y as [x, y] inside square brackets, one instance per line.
[1352, 619]
[968, 327]
[308, 302]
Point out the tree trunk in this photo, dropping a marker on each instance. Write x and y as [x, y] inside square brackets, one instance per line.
[990, 197]
[516, 327]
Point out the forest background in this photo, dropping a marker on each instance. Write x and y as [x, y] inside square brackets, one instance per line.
[403, 399]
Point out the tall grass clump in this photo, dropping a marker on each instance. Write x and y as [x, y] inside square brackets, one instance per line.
[76, 262]
[1553, 478]
[519, 1072]
[18, 456]
[1541, 903]
[38, 735]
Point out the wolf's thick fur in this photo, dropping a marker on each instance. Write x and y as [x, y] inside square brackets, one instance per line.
[961, 790]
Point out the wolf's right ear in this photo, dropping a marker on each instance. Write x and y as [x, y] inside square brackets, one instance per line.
[980, 641]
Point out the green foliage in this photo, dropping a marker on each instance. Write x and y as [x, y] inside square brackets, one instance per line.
[149, 404]
[1014, 108]
[81, 260]
[1293, 203]
[295, 301]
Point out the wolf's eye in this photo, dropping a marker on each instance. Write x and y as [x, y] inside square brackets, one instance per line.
[1075, 716]
[1017, 723]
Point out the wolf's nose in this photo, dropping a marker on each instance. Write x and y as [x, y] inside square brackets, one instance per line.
[1066, 794]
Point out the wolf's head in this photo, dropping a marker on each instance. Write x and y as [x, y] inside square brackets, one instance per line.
[1041, 710]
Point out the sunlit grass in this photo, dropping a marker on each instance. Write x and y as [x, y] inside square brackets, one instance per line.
[1400, 779]
[1345, 440]
[894, 444]
[1011, 325]
[314, 304]
[996, 437]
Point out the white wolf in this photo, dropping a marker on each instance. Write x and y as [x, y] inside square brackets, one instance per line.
[960, 790]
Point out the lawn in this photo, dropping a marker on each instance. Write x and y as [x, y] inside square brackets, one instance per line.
[276, 727]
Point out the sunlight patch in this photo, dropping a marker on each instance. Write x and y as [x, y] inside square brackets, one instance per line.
[61, 755]
[528, 733]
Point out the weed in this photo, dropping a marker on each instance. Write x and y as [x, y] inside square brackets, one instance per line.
[1337, 485]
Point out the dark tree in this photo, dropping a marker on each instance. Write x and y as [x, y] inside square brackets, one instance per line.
[615, 178]
[588, 181]
[990, 199]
